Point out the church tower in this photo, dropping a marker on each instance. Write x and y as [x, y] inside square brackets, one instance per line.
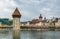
[16, 24]
[40, 17]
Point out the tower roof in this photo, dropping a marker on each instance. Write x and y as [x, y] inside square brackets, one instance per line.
[16, 13]
[40, 16]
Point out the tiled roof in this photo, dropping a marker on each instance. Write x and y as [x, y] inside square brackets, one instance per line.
[16, 12]
[34, 21]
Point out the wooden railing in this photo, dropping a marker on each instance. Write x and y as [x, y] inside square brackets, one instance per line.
[31, 26]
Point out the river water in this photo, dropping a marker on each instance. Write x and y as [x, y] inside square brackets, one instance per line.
[30, 34]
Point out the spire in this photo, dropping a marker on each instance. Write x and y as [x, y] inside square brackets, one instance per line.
[44, 18]
[16, 13]
[40, 16]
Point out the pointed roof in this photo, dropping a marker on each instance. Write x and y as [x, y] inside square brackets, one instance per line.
[16, 12]
[44, 18]
[40, 16]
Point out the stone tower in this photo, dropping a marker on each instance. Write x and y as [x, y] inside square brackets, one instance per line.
[16, 18]
[16, 24]
[40, 17]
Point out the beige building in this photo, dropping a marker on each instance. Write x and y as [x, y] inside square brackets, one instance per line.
[58, 23]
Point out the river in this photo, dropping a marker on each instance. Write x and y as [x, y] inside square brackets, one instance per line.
[30, 34]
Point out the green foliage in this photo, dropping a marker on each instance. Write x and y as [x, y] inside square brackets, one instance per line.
[6, 21]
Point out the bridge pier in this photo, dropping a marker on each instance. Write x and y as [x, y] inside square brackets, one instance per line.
[16, 34]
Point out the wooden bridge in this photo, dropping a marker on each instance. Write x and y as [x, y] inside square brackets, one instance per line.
[33, 26]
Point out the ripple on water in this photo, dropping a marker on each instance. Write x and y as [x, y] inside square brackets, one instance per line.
[31, 34]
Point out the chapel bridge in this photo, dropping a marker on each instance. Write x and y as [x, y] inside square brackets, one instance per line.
[33, 27]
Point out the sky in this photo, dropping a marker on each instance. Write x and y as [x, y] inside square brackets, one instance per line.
[30, 9]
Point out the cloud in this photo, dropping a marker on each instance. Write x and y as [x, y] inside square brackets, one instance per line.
[5, 11]
[30, 9]
[30, 1]
[46, 12]
[27, 15]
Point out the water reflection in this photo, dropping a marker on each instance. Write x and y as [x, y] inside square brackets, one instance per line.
[5, 34]
[31, 34]
[40, 35]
